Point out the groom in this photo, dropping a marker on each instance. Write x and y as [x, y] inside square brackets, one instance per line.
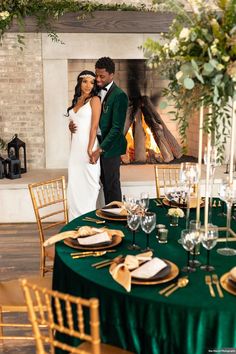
[111, 125]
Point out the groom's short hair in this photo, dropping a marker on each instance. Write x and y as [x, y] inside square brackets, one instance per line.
[107, 64]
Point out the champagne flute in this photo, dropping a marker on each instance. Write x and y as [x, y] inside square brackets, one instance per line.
[189, 174]
[209, 240]
[133, 221]
[213, 163]
[230, 198]
[188, 244]
[194, 228]
[148, 224]
[144, 201]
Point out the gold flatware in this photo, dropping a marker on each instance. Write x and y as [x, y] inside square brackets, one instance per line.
[215, 281]
[104, 264]
[95, 254]
[181, 283]
[89, 252]
[209, 283]
[94, 220]
[161, 292]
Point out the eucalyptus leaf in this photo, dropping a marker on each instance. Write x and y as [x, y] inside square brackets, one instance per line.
[163, 105]
[189, 83]
[208, 68]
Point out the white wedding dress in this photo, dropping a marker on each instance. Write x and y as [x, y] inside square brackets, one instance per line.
[83, 177]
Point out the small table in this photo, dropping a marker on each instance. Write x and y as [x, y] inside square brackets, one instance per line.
[142, 321]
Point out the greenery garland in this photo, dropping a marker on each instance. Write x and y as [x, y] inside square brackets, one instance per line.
[46, 10]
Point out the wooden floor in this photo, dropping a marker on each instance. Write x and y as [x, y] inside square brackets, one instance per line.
[19, 257]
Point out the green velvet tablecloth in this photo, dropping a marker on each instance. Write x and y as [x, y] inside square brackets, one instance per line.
[189, 321]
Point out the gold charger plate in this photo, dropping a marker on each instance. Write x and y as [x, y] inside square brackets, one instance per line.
[174, 271]
[116, 240]
[100, 214]
[225, 285]
[171, 204]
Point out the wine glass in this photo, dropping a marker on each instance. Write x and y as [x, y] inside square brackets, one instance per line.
[194, 228]
[209, 238]
[189, 174]
[148, 224]
[230, 198]
[188, 244]
[133, 221]
[221, 194]
[144, 201]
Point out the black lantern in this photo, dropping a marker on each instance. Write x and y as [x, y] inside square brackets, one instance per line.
[15, 148]
[12, 168]
[2, 163]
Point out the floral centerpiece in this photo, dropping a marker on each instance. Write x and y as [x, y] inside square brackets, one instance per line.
[198, 56]
[176, 212]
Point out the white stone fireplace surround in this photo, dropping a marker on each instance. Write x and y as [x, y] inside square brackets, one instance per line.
[55, 78]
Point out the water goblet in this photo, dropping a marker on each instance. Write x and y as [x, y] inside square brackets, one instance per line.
[209, 238]
[188, 244]
[133, 221]
[148, 224]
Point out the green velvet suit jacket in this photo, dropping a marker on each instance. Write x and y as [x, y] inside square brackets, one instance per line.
[112, 120]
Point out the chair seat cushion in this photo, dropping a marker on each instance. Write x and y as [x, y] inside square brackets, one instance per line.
[105, 349]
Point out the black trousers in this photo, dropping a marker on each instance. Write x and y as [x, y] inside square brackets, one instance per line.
[110, 178]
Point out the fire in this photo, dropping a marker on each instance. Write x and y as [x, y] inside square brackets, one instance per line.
[150, 144]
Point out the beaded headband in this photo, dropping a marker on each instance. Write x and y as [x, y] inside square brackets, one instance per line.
[87, 75]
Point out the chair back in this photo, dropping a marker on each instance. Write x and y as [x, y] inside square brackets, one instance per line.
[59, 319]
[166, 176]
[50, 208]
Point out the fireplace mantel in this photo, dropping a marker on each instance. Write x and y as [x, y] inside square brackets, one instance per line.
[105, 22]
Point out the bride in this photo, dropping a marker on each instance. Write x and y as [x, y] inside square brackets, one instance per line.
[83, 177]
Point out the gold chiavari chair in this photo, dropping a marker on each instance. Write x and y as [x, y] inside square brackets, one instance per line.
[61, 321]
[166, 176]
[12, 301]
[49, 201]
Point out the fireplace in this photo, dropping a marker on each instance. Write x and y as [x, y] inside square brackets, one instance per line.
[147, 131]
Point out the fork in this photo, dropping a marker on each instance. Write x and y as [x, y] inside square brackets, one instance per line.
[215, 281]
[209, 283]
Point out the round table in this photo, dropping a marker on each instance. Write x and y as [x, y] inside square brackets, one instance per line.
[142, 321]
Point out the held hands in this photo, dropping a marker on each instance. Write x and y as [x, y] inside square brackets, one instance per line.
[94, 156]
[72, 127]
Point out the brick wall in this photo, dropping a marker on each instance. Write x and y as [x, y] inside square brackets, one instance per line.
[21, 95]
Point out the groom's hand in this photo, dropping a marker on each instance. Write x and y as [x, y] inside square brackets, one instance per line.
[96, 154]
[72, 127]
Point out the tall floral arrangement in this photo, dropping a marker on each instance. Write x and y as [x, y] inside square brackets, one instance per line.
[198, 56]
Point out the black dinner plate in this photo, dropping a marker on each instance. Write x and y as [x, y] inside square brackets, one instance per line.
[163, 273]
[232, 283]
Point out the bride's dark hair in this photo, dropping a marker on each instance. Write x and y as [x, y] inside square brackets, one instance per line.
[77, 93]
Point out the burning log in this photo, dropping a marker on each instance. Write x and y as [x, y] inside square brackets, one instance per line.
[166, 142]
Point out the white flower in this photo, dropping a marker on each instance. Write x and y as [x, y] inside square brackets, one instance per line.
[184, 34]
[219, 67]
[4, 15]
[176, 212]
[214, 50]
[174, 45]
[179, 75]
[225, 58]
[201, 42]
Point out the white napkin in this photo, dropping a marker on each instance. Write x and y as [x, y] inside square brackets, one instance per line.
[149, 269]
[93, 240]
[116, 211]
